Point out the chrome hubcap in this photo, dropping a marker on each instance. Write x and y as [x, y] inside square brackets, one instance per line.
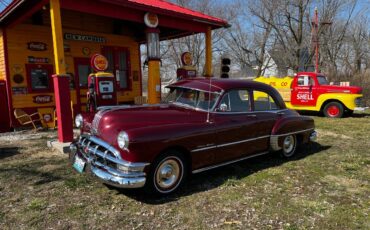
[168, 174]
[289, 143]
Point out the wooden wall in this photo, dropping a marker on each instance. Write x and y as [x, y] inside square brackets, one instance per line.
[75, 23]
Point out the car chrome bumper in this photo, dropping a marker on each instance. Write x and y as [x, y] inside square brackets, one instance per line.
[313, 136]
[133, 177]
[360, 108]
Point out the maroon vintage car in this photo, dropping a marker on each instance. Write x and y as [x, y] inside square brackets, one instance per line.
[201, 125]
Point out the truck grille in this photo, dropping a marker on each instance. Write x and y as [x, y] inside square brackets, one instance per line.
[359, 102]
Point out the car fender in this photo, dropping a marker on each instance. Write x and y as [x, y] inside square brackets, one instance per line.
[301, 126]
[186, 136]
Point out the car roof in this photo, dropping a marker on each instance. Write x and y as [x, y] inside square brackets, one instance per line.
[219, 84]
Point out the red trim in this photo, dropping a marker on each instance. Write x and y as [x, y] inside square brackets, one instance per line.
[63, 108]
[140, 71]
[7, 74]
[49, 68]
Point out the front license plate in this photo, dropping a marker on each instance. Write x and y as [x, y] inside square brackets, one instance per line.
[79, 164]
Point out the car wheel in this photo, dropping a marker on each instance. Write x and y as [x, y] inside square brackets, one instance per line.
[333, 110]
[289, 146]
[167, 174]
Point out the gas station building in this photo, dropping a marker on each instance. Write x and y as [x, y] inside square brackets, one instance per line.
[46, 48]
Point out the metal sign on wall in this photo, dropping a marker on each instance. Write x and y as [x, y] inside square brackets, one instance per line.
[85, 38]
[42, 99]
[32, 59]
[37, 46]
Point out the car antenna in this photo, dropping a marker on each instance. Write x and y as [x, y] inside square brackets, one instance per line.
[209, 98]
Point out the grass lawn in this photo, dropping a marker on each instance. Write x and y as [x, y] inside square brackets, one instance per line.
[325, 186]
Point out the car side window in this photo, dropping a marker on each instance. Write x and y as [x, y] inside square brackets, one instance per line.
[235, 101]
[263, 101]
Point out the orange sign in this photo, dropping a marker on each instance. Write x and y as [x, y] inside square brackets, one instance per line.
[99, 62]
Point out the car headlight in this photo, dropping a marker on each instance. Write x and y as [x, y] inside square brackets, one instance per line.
[123, 140]
[79, 120]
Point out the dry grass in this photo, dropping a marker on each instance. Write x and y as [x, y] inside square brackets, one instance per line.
[326, 186]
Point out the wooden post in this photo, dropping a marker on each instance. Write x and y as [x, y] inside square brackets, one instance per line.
[208, 64]
[56, 28]
[61, 81]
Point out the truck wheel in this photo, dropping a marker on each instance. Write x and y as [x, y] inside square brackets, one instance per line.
[167, 174]
[333, 110]
[289, 146]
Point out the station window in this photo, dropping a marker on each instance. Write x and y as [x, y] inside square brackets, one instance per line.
[119, 64]
[39, 77]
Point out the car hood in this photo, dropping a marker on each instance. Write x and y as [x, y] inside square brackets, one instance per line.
[108, 123]
[342, 89]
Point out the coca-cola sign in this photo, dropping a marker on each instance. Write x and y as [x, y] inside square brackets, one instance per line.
[37, 46]
[42, 99]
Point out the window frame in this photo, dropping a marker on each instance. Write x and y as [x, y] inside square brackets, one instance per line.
[50, 70]
[115, 52]
[269, 96]
[236, 112]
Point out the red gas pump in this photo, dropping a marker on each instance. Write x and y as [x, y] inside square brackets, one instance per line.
[102, 85]
[187, 70]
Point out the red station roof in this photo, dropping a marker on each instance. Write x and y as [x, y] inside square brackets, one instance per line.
[160, 6]
[170, 7]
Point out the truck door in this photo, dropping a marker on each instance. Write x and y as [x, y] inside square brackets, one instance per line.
[4, 110]
[304, 91]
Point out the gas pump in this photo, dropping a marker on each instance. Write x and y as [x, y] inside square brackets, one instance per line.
[102, 85]
[187, 70]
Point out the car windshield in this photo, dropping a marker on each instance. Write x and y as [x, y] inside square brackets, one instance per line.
[192, 98]
[322, 80]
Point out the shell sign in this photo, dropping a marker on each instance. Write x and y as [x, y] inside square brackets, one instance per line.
[99, 62]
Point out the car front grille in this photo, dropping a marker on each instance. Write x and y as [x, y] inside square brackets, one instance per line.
[99, 152]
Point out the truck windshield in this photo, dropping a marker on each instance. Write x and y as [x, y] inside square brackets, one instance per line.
[192, 98]
[322, 80]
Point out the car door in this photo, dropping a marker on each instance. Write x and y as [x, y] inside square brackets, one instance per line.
[267, 112]
[235, 126]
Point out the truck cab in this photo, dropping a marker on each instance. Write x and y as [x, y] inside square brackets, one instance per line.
[310, 91]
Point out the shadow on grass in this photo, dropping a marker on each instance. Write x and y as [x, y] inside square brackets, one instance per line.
[216, 177]
[361, 115]
[31, 174]
[8, 152]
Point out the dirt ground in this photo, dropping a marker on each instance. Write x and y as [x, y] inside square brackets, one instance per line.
[325, 186]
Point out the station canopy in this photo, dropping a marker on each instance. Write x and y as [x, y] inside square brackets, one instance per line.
[174, 21]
